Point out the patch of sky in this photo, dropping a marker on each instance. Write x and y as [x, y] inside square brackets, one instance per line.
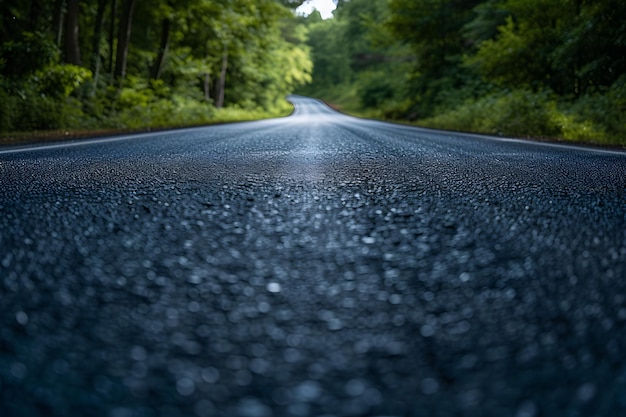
[325, 7]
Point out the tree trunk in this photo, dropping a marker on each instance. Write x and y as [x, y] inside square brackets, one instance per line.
[221, 83]
[112, 35]
[97, 35]
[123, 39]
[57, 21]
[207, 86]
[578, 85]
[72, 47]
[34, 15]
[157, 68]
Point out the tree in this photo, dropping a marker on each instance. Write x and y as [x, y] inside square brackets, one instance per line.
[565, 46]
[57, 21]
[123, 38]
[223, 53]
[97, 41]
[72, 46]
[593, 44]
[330, 53]
[241, 52]
[112, 32]
[434, 29]
[159, 62]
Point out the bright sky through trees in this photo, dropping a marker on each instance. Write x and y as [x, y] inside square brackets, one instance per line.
[325, 7]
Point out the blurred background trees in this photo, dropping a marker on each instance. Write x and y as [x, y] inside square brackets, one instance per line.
[542, 68]
[127, 63]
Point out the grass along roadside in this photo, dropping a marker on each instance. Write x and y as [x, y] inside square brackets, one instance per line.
[517, 114]
[220, 116]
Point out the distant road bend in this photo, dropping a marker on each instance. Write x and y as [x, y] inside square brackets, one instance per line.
[312, 265]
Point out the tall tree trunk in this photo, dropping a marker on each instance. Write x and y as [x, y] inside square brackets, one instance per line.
[207, 86]
[112, 21]
[578, 85]
[34, 15]
[57, 21]
[157, 68]
[123, 39]
[97, 37]
[221, 83]
[72, 47]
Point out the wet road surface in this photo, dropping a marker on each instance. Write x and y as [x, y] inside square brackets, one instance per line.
[316, 265]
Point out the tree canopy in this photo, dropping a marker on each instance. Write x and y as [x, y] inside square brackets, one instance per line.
[543, 68]
[129, 63]
[551, 68]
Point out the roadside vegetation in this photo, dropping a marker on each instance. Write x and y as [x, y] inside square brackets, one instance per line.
[125, 64]
[529, 68]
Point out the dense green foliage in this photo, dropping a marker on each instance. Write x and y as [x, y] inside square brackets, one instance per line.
[357, 61]
[541, 68]
[85, 64]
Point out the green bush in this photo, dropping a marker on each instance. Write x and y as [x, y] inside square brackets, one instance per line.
[524, 113]
[34, 51]
[143, 103]
[605, 111]
[576, 128]
[37, 113]
[44, 101]
[514, 113]
[594, 118]
[59, 80]
[374, 88]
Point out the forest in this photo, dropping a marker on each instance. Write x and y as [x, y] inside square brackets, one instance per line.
[528, 68]
[134, 64]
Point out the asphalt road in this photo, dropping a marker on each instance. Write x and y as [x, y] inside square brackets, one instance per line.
[312, 265]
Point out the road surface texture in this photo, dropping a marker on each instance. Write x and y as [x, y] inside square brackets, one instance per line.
[315, 265]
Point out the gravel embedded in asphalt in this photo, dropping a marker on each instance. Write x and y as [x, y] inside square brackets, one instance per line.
[312, 265]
